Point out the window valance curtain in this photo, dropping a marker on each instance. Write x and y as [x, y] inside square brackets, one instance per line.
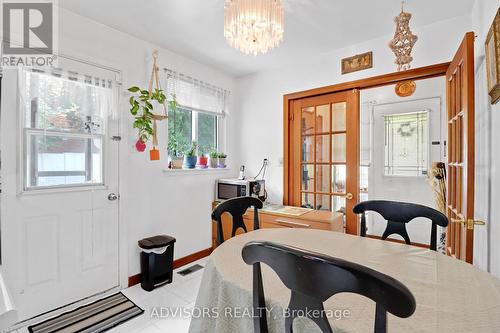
[195, 94]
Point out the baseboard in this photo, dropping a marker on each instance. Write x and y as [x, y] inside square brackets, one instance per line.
[136, 279]
[425, 246]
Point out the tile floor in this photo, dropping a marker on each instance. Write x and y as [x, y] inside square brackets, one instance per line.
[181, 293]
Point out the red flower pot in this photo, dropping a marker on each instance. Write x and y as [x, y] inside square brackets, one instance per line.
[202, 161]
[140, 146]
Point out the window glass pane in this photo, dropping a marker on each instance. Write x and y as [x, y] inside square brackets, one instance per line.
[323, 118]
[338, 204]
[308, 148]
[338, 148]
[322, 202]
[338, 178]
[307, 119]
[60, 160]
[308, 177]
[323, 148]
[406, 144]
[323, 178]
[307, 200]
[180, 127]
[207, 132]
[54, 103]
[338, 116]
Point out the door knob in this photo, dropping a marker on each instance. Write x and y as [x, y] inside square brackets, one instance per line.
[113, 197]
[349, 196]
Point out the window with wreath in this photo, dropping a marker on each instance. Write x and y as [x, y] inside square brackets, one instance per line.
[406, 144]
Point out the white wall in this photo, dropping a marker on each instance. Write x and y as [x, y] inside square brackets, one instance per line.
[151, 201]
[259, 99]
[487, 191]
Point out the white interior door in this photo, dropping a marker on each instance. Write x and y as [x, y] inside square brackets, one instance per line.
[59, 166]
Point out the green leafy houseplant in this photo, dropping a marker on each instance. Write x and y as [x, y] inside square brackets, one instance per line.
[141, 107]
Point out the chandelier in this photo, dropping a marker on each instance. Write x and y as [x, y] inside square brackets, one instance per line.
[403, 41]
[253, 26]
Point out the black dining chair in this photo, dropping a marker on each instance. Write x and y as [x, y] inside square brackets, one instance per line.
[398, 214]
[236, 207]
[314, 277]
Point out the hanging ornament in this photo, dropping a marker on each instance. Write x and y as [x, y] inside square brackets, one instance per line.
[405, 88]
[140, 146]
[403, 41]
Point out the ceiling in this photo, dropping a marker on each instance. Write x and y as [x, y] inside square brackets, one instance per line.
[194, 28]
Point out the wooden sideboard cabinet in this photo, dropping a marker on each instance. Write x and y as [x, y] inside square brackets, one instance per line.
[314, 220]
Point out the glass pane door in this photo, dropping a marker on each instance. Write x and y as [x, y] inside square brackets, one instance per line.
[328, 150]
[324, 159]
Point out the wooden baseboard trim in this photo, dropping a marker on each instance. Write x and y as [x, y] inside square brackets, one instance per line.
[136, 279]
[425, 246]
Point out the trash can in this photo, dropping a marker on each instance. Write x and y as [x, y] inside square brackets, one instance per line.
[157, 258]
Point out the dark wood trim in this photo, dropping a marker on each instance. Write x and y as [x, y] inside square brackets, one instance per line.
[136, 279]
[425, 246]
[375, 81]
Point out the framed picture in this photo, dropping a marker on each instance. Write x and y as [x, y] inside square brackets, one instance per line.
[492, 46]
[357, 63]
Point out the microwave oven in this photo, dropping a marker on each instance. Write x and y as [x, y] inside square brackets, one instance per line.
[233, 188]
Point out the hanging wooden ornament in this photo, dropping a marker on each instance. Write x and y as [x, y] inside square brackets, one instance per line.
[403, 41]
[154, 153]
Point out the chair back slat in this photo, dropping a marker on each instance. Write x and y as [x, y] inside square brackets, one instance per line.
[237, 207]
[398, 214]
[314, 277]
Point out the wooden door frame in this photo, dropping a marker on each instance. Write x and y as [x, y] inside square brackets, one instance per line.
[421, 73]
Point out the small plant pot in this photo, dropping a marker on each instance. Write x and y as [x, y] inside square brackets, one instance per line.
[212, 162]
[221, 162]
[189, 162]
[202, 162]
[154, 154]
[176, 162]
[140, 146]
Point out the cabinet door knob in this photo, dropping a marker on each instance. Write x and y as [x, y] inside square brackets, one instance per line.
[349, 196]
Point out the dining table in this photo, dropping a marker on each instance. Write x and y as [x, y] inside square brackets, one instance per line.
[451, 295]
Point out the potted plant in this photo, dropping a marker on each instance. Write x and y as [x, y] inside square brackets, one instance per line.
[190, 157]
[221, 160]
[213, 155]
[202, 159]
[175, 153]
[141, 107]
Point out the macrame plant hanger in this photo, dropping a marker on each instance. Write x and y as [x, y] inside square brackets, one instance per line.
[154, 153]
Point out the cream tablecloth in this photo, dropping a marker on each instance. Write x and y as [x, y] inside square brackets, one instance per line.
[451, 296]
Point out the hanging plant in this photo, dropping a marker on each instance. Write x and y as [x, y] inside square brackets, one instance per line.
[141, 107]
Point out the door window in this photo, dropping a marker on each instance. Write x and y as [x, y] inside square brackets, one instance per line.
[64, 126]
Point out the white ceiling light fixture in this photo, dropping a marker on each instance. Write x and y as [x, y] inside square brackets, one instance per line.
[254, 26]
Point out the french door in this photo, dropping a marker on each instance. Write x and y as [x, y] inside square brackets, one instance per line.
[460, 105]
[324, 154]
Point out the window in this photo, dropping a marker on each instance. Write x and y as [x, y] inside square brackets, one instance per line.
[199, 115]
[64, 129]
[406, 144]
[186, 125]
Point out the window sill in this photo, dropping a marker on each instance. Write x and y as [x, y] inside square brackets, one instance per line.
[208, 171]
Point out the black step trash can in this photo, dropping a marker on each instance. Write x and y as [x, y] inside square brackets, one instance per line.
[157, 258]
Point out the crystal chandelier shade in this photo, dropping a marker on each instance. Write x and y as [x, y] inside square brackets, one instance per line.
[254, 26]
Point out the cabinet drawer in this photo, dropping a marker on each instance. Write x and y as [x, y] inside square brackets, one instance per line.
[270, 221]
